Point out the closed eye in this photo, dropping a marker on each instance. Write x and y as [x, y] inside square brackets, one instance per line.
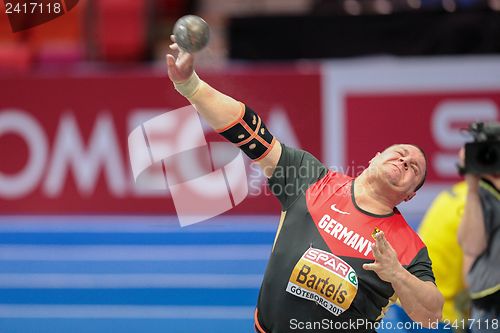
[415, 168]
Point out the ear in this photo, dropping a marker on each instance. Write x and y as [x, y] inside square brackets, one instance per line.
[410, 196]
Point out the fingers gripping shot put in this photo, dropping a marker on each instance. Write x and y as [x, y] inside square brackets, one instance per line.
[343, 251]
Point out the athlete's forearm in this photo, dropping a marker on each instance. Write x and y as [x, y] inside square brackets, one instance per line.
[421, 300]
[223, 113]
[471, 232]
[216, 108]
[230, 118]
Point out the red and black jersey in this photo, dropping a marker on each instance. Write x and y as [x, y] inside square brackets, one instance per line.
[315, 270]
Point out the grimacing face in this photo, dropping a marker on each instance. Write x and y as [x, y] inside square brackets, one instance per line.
[402, 166]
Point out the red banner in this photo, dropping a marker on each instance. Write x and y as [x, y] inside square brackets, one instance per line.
[370, 104]
[63, 140]
[434, 121]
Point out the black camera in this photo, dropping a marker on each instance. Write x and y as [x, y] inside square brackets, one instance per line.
[483, 155]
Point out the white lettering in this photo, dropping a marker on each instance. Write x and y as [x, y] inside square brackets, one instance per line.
[342, 233]
[336, 230]
[346, 233]
[23, 182]
[330, 225]
[331, 262]
[324, 221]
[102, 151]
[322, 257]
[312, 254]
[361, 244]
[343, 268]
[353, 240]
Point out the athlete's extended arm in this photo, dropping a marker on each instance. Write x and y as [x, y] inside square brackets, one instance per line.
[218, 109]
[421, 300]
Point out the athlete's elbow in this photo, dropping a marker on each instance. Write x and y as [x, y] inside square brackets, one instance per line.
[437, 311]
[428, 319]
[435, 315]
[429, 316]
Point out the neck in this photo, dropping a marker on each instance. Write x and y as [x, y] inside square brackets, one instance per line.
[369, 196]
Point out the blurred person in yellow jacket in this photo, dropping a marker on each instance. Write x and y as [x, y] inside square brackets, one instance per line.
[439, 231]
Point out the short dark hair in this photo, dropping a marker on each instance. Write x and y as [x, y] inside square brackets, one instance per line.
[425, 158]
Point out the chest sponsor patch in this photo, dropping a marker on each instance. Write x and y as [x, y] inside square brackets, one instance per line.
[324, 278]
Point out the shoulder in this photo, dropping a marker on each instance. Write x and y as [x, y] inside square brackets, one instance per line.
[297, 157]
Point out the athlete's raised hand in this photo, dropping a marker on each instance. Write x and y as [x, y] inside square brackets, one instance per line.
[386, 263]
[179, 68]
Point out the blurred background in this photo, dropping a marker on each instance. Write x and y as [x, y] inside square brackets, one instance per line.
[83, 249]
